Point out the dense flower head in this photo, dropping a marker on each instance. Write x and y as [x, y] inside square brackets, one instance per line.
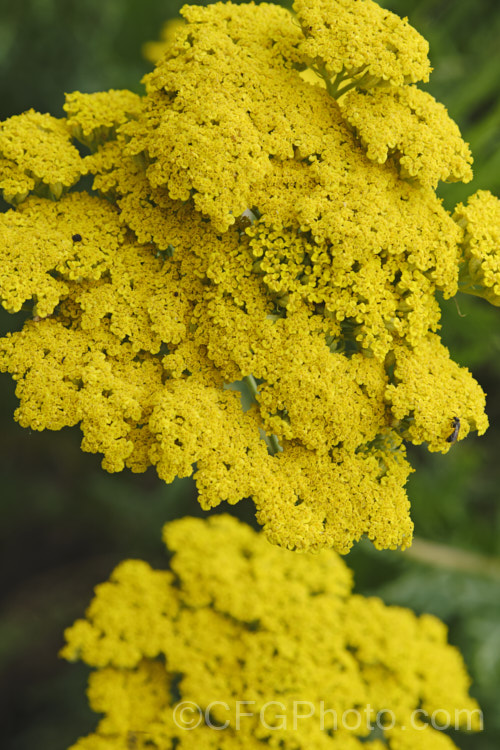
[36, 155]
[412, 125]
[251, 236]
[200, 633]
[480, 219]
[360, 39]
[46, 245]
[93, 118]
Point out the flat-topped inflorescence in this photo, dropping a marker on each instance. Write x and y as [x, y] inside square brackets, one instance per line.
[197, 636]
[250, 231]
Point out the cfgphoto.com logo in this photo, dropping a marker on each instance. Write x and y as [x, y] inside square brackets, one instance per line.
[275, 716]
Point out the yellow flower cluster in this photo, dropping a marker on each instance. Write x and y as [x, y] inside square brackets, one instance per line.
[248, 234]
[413, 127]
[239, 625]
[358, 47]
[93, 118]
[359, 39]
[36, 155]
[480, 271]
[48, 247]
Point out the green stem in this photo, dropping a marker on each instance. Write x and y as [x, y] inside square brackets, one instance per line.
[272, 443]
[274, 446]
[367, 81]
[331, 86]
[356, 77]
[347, 87]
[452, 558]
[249, 380]
[473, 289]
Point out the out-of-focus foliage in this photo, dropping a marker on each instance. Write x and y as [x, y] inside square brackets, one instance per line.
[48, 47]
[65, 523]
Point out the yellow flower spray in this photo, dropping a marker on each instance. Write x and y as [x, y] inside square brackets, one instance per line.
[263, 221]
[245, 645]
[249, 291]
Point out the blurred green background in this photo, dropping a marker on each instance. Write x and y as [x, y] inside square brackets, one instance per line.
[65, 523]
